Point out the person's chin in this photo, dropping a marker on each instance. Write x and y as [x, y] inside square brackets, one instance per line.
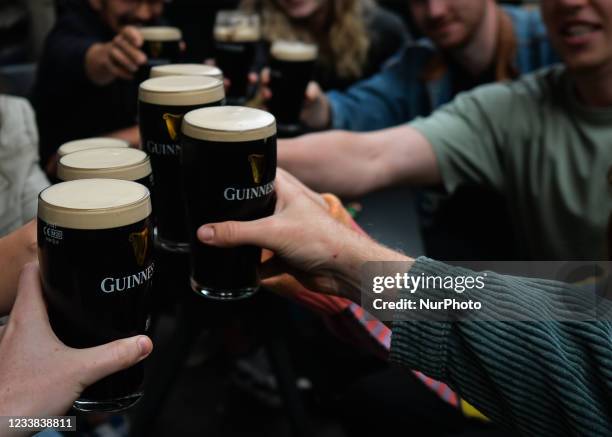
[584, 62]
[300, 14]
[450, 42]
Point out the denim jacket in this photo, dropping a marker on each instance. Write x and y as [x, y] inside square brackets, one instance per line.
[399, 93]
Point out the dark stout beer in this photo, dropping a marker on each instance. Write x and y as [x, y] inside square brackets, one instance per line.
[90, 143]
[236, 38]
[126, 164]
[186, 70]
[228, 157]
[161, 45]
[162, 103]
[95, 242]
[291, 68]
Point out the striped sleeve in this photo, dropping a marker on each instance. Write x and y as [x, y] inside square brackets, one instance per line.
[544, 378]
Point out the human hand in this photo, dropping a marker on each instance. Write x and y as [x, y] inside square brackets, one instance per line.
[39, 375]
[315, 113]
[316, 110]
[119, 58]
[321, 253]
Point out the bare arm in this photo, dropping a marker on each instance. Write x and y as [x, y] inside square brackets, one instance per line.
[16, 249]
[353, 164]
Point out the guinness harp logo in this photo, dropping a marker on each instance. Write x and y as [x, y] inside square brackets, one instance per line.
[258, 166]
[155, 47]
[173, 124]
[140, 244]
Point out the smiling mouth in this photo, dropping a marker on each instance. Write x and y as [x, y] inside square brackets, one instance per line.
[577, 30]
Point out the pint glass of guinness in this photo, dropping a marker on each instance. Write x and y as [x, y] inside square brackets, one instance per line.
[228, 157]
[126, 164]
[95, 242]
[91, 143]
[161, 45]
[162, 103]
[186, 70]
[236, 38]
[291, 68]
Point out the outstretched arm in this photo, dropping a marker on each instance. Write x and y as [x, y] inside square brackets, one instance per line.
[546, 378]
[353, 164]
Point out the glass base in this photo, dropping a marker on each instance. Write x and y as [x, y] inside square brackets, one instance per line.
[221, 294]
[172, 246]
[108, 405]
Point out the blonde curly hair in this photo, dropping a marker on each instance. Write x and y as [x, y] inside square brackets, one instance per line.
[344, 47]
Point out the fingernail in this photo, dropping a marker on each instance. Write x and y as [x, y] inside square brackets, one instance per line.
[206, 233]
[143, 345]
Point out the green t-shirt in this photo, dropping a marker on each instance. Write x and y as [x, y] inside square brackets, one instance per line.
[534, 142]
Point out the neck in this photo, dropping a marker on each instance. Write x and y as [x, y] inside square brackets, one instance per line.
[317, 23]
[594, 87]
[478, 55]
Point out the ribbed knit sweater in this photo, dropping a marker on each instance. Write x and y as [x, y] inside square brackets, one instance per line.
[547, 378]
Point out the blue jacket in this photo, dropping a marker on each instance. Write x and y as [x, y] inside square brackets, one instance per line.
[398, 93]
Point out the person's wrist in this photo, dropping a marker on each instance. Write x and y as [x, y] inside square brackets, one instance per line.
[94, 66]
[357, 250]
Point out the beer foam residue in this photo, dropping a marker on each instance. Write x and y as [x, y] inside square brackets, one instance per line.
[186, 70]
[294, 51]
[91, 143]
[229, 123]
[161, 33]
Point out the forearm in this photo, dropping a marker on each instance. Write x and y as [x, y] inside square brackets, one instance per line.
[354, 254]
[353, 164]
[335, 162]
[16, 249]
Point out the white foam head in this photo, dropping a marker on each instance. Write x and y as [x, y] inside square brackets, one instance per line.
[186, 70]
[229, 123]
[126, 164]
[181, 90]
[294, 51]
[161, 33]
[94, 204]
[90, 143]
[237, 34]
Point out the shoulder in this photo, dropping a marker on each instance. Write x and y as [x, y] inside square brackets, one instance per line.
[17, 124]
[12, 107]
[78, 18]
[413, 55]
[514, 109]
[536, 87]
